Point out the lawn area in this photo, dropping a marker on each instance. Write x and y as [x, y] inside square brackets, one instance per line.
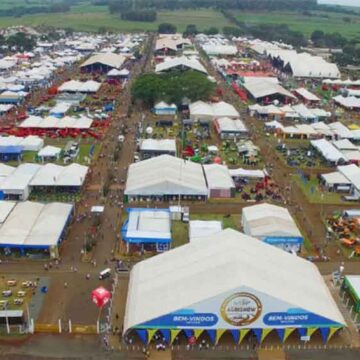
[232, 221]
[305, 24]
[180, 233]
[91, 18]
[314, 194]
[180, 230]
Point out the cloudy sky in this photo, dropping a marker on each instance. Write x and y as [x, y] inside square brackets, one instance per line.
[341, 2]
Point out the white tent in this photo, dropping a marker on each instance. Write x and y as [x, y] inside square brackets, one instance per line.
[201, 110]
[209, 272]
[49, 152]
[16, 185]
[267, 220]
[306, 94]
[165, 175]
[264, 87]
[31, 224]
[180, 63]
[327, 150]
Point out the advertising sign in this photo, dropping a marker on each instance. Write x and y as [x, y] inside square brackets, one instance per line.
[278, 240]
[241, 308]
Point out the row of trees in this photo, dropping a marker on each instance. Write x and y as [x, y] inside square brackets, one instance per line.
[172, 87]
[333, 40]
[139, 15]
[18, 11]
[217, 4]
[191, 30]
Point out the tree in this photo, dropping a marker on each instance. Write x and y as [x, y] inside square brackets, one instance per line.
[147, 88]
[172, 87]
[166, 28]
[211, 31]
[21, 42]
[191, 29]
[317, 37]
[232, 31]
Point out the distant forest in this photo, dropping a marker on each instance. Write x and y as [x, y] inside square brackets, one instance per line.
[118, 5]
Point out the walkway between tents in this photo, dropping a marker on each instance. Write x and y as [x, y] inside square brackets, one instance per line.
[160, 355]
[278, 354]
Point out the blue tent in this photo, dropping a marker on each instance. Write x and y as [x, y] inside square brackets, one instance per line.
[11, 152]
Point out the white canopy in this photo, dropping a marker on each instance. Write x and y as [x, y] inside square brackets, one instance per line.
[180, 62]
[306, 94]
[49, 151]
[211, 111]
[165, 175]
[35, 224]
[264, 220]
[327, 150]
[217, 266]
[89, 86]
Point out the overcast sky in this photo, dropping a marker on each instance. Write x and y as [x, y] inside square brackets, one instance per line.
[340, 2]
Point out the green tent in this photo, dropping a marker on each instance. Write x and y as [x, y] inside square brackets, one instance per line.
[351, 285]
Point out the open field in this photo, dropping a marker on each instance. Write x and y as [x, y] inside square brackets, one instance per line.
[91, 18]
[306, 24]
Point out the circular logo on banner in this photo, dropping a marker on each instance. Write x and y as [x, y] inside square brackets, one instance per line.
[241, 309]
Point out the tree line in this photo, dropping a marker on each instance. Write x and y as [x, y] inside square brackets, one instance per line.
[18, 11]
[217, 4]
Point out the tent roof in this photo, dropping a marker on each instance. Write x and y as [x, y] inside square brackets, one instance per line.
[222, 263]
[35, 224]
[165, 175]
[108, 59]
[269, 220]
[200, 228]
[354, 281]
[335, 177]
[327, 150]
[215, 110]
[231, 125]
[49, 150]
[20, 178]
[218, 177]
[148, 224]
[182, 62]
[5, 209]
[262, 87]
[306, 94]
[352, 173]
[158, 145]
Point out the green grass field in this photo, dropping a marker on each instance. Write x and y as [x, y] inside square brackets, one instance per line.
[305, 24]
[91, 18]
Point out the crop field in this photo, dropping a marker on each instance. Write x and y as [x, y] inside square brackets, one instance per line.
[9, 4]
[91, 18]
[327, 22]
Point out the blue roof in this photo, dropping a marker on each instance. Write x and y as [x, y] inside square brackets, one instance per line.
[11, 149]
[140, 239]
